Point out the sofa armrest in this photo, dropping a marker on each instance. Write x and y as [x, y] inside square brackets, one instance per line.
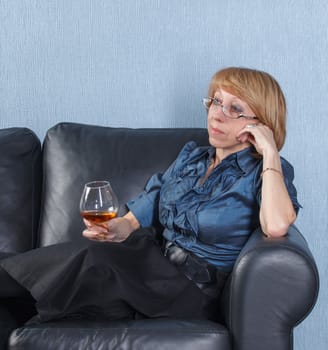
[7, 325]
[273, 287]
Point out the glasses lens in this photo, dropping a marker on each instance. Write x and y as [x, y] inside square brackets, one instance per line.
[232, 115]
[207, 102]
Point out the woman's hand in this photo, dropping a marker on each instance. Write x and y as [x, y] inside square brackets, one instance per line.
[260, 136]
[115, 230]
[276, 210]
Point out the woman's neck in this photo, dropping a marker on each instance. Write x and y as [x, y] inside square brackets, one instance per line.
[221, 153]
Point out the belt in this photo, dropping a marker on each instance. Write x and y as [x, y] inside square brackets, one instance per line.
[206, 276]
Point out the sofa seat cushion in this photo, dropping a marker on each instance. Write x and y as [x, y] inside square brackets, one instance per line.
[137, 335]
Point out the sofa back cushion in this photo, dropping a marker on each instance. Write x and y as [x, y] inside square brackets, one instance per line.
[20, 188]
[74, 154]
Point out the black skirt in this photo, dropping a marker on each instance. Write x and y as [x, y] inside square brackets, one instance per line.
[131, 279]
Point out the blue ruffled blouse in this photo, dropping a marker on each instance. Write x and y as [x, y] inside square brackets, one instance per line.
[212, 219]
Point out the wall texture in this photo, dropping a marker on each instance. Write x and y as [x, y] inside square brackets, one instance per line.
[148, 63]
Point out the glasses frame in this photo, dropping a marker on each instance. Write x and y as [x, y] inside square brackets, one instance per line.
[214, 101]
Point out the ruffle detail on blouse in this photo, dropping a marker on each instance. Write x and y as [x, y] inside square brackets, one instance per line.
[181, 196]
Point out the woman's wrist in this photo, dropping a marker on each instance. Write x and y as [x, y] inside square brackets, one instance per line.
[272, 169]
[271, 159]
[133, 221]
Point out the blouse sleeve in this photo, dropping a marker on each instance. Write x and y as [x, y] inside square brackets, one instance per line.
[288, 172]
[145, 205]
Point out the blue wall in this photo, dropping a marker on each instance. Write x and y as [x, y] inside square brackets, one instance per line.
[147, 64]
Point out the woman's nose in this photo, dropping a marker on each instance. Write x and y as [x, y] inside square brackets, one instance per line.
[220, 113]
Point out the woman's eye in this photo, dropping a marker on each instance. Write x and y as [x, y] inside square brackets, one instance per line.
[236, 109]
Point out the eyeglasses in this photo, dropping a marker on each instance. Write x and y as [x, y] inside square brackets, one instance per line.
[234, 112]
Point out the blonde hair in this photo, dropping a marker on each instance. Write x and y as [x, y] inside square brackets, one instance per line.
[260, 91]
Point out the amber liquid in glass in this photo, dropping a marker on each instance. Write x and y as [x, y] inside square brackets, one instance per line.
[98, 217]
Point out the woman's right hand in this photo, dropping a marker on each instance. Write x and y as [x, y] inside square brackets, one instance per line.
[115, 230]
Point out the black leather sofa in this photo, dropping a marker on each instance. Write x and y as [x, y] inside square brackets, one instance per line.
[273, 286]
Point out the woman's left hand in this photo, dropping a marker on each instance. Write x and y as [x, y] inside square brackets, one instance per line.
[115, 230]
[260, 136]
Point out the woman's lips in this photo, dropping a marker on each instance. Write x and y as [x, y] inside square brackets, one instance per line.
[216, 131]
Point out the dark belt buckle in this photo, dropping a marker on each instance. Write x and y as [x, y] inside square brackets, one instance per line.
[168, 244]
[198, 271]
[175, 254]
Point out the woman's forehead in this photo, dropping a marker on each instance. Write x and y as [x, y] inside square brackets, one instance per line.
[223, 93]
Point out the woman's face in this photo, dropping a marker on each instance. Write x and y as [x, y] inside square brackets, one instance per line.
[223, 130]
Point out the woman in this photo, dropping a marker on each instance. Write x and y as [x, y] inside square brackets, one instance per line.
[208, 202]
